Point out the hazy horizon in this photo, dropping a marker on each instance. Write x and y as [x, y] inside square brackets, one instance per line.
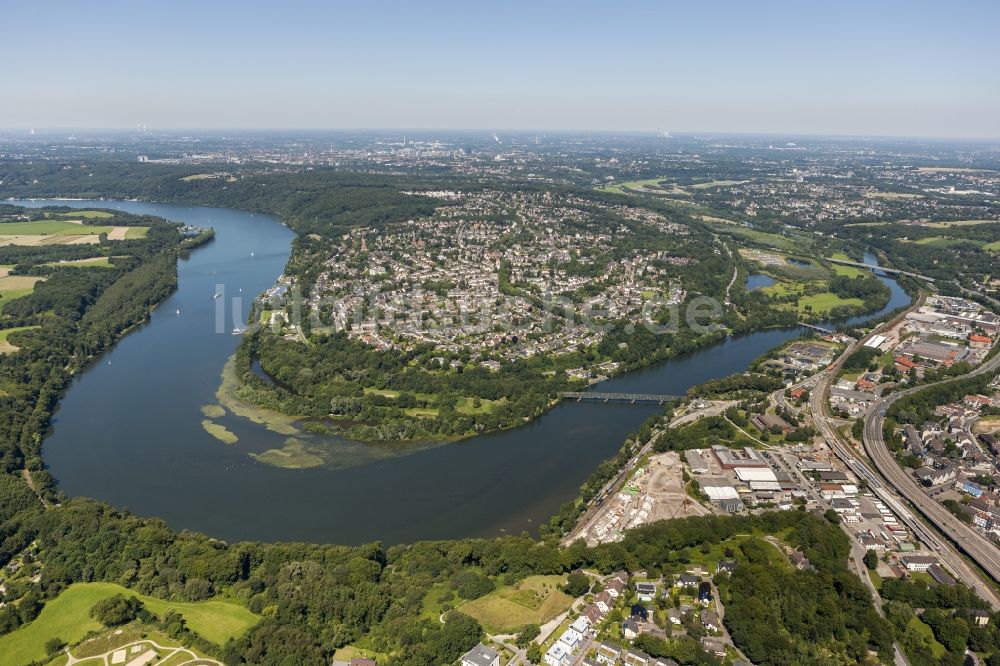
[895, 69]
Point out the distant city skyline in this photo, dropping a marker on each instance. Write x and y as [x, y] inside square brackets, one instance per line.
[909, 69]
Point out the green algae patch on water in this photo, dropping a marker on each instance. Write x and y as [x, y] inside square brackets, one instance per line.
[213, 411]
[295, 454]
[227, 396]
[220, 432]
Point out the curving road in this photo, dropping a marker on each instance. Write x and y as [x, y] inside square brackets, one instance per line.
[903, 483]
[974, 544]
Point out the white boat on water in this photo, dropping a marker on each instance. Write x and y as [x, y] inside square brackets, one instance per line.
[237, 331]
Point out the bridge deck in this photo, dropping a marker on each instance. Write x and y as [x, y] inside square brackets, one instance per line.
[599, 396]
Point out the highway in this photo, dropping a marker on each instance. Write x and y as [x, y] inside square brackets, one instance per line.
[974, 544]
[902, 482]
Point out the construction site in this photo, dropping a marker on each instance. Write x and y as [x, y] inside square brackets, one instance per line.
[656, 491]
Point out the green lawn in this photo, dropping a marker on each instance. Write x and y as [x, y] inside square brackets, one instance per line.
[68, 617]
[136, 232]
[992, 247]
[535, 600]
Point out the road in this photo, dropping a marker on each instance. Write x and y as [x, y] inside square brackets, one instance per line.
[899, 480]
[974, 544]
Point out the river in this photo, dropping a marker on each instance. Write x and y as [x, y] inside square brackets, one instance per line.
[129, 430]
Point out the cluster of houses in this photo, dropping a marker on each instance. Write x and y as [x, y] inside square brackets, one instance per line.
[469, 277]
[954, 461]
[639, 622]
[562, 651]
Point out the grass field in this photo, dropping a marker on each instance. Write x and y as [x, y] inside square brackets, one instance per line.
[68, 617]
[15, 286]
[51, 228]
[86, 214]
[92, 262]
[826, 301]
[6, 347]
[762, 237]
[465, 404]
[942, 242]
[716, 183]
[647, 186]
[924, 630]
[783, 288]
[849, 271]
[535, 600]
[992, 247]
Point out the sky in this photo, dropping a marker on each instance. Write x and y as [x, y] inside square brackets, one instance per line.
[857, 68]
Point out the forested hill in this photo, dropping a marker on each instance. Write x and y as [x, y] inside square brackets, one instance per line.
[324, 202]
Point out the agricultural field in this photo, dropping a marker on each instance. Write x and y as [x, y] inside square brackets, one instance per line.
[63, 232]
[535, 600]
[68, 617]
[992, 247]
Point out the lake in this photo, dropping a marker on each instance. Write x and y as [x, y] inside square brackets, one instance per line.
[129, 431]
[758, 281]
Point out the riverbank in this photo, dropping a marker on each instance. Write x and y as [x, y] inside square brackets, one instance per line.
[143, 411]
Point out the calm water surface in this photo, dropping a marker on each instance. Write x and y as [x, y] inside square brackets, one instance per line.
[129, 429]
[758, 281]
